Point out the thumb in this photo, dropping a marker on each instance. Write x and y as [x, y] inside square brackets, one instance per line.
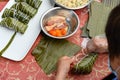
[72, 59]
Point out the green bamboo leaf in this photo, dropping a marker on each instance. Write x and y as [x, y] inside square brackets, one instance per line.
[8, 44]
[49, 50]
[85, 31]
[98, 17]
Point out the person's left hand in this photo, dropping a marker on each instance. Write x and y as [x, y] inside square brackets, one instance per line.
[97, 44]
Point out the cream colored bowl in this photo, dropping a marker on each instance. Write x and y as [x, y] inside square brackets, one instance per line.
[72, 5]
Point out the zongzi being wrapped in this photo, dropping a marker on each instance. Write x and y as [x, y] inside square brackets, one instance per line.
[26, 8]
[33, 3]
[17, 14]
[85, 65]
[14, 24]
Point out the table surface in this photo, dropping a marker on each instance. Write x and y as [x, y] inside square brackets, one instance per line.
[28, 69]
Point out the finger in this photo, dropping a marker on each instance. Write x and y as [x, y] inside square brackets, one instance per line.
[64, 57]
[71, 60]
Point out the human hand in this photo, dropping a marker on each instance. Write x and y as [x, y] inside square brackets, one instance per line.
[63, 68]
[97, 44]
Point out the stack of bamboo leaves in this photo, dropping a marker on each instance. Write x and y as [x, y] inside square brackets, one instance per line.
[98, 16]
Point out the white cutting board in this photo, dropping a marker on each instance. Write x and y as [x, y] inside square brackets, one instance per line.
[22, 43]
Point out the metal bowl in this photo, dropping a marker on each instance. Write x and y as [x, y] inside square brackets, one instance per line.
[74, 20]
[73, 8]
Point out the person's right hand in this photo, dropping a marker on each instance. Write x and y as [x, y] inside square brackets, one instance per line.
[63, 67]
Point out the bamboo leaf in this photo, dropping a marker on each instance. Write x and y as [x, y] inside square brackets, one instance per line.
[98, 18]
[8, 44]
[48, 51]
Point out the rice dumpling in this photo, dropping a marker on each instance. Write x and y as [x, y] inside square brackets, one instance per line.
[17, 14]
[26, 8]
[14, 24]
[33, 3]
[85, 65]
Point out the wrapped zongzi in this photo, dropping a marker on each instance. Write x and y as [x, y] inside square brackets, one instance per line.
[33, 3]
[26, 8]
[17, 14]
[85, 65]
[14, 24]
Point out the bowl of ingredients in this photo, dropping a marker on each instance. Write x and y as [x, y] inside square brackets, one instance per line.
[59, 23]
[73, 4]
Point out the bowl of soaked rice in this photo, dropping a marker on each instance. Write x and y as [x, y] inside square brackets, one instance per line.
[73, 4]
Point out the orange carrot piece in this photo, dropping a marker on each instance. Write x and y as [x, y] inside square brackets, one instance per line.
[52, 32]
[58, 32]
[63, 31]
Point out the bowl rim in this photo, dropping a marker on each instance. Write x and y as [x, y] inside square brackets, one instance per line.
[63, 37]
[73, 8]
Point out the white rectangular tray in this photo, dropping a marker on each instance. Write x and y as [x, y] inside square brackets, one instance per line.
[22, 43]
